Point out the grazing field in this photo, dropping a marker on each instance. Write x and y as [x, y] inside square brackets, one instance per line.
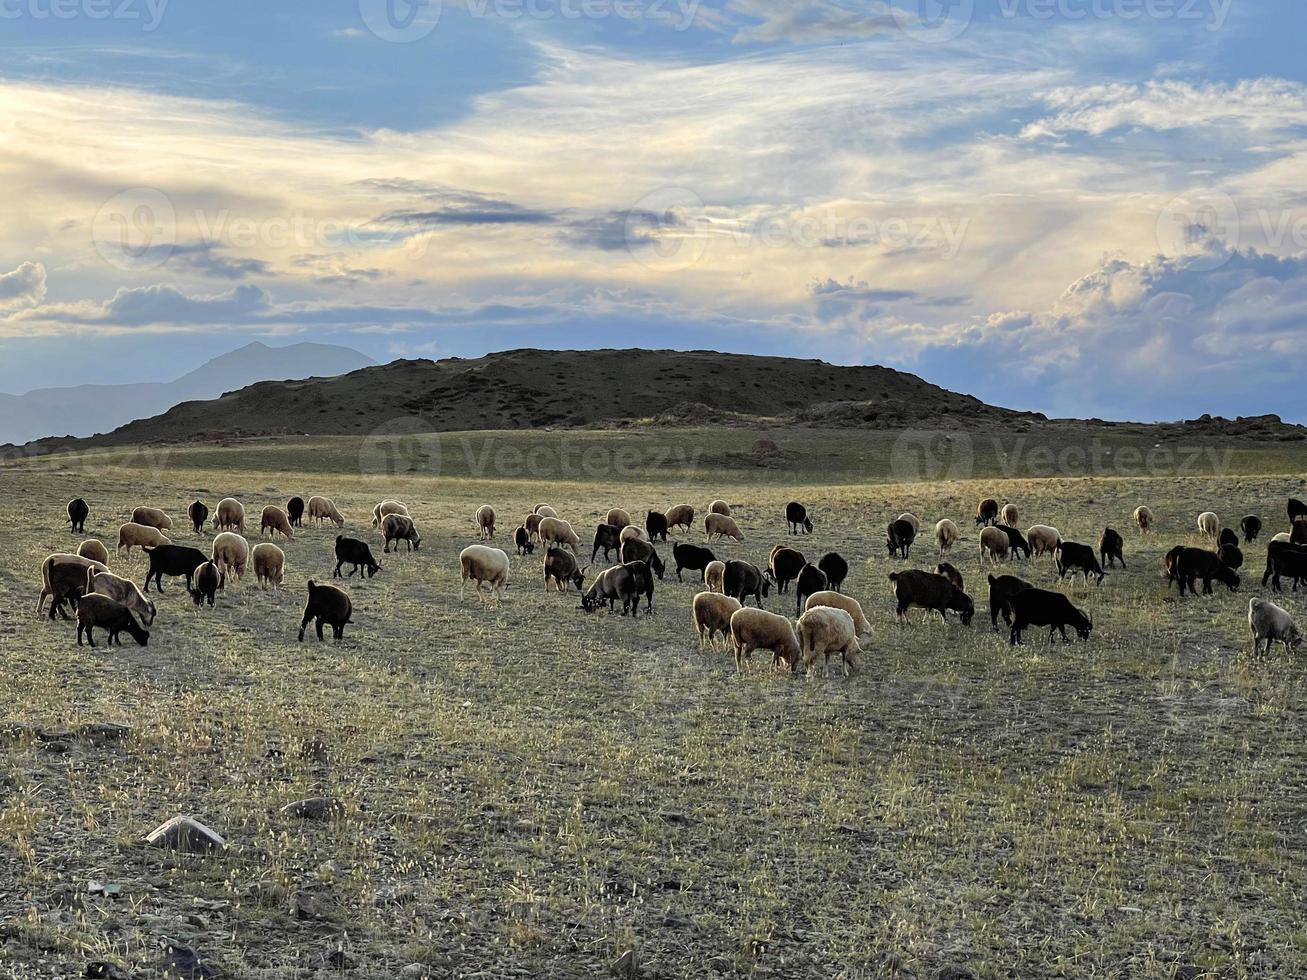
[528, 790]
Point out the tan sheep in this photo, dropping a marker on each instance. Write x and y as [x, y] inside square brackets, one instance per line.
[94, 549]
[229, 515]
[911, 518]
[483, 565]
[711, 613]
[681, 515]
[714, 576]
[1009, 515]
[1043, 540]
[152, 517]
[131, 535]
[994, 544]
[837, 600]
[532, 525]
[485, 518]
[632, 532]
[1209, 525]
[757, 629]
[106, 583]
[324, 509]
[721, 526]
[824, 631]
[544, 510]
[618, 518]
[556, 531]
[720, 507]
[231, 553]
[1144, 519]
[1284, 537]
[385, 509]
[946, 535]
[269, 564]
[275, 518]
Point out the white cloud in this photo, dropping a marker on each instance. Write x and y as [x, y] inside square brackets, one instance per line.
[25, 286]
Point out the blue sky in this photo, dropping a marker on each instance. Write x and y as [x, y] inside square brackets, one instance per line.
[1084, 207]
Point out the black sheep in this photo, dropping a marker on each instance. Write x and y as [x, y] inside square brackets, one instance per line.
[1297, 510]
[612, 584]
[1227, 537]
[743, 579]
[952, 574]
[78, 512]
[198, 512]
[1196, 563]
[987, 512]
[1285, 560]
[929, 591]
[655, 525]
[785, 565]
[811, 580]
[1001, 590]
[1016, 541]
[835, 567]
[796, 517]
[608, 537]
[330, 605]
[899, 536]
[208, 580]
[633, 549]
[1111, 547]
[173, 560]
[99, 610]
[643, 577]
[352, 551]
[295, 511]
[1251, 527]
[1231, 556]
[693, 557]
[1072, 557]
[522, 538]
[1039, 607]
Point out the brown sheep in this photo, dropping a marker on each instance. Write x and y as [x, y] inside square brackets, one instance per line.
[94, 549]
[269, 564]
[277, 520]
[152, 517]
[681, 515]
[711, 613]
[132, 535]
[229, 515]
[485, 518]
[757, 629]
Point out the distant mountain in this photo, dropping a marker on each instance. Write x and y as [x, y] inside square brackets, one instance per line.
[86, 410]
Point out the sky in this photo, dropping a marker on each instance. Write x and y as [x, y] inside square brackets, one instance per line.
[1091, 208]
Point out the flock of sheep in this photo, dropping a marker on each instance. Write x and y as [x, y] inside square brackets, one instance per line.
[827, 621]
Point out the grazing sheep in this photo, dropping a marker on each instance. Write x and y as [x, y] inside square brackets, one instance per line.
[522, 538]
[758, 629]
[78, 512]
[1227, 537]
[946, 535]
[121, 590]
[693, 557]
[837, 600]
[720, 526]
[836, 568]
[613, 584]
[741, 579]
[1209, 525]
[655, 525]
[608, 537]
[785, 564]
[397, 528]
[1171, 562]
[720, 507]
[1001, 590]
[1038, 607]
[562, 567]
[811, 580]
[208, 580]
[556, 531]
[94, 549]
[632, 533]
[63, 578]
[198, 512]
[714, 576]
[994, 544]
[1284, 559]
[681, 515]
[1017, 544]
[1072, 558]
[352, 551]
[109, 615]
[1297, 510]
[483, 565]
[532, 525]
[387, 507]
[269, 565]
[1270, 623]
[295, 511]
[911, 519]
[1043, 539]
[1111, 548]
[544, 510]
[1284, 537]
[899, 536]
[634, 549]
[711, 613]
[643, 577]
[987, 512]
[174, 560]
[330, 605]
[152, 517]
[796, 518]
[826, 630]
[1251, 527]
[324, 509]
[1195, 563]
[277, 520]
[132, 535]
[1144, 519]
[1231, 555]
[618, 518]
[229, 516]
[929, 591]
[1009, 515]
[952, 574]
[485, 518]
[231, 553]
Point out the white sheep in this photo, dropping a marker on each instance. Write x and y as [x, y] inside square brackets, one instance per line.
[231, 553]
[1009, 515]
[994, 544]
[714, 576]
[912, 519]
[837, 600]
[385, 509]
[483, 565]
[946, 535]
[485, 518]
[544, 510]
[681, 515]
[721, 526]
[1043, 539]
[94, 549]
[1143, 519]
[324, 509]
[132, 535]
[1283, 537]
[229, 515]
[269, 564]
[712, 614]
[275, 518]
[757, 629]
[1209, 525]
[617, 518]
[826, 630]
[1270, 623]
[556, 531]
[720, 507]
[152, 517]
[632, 531]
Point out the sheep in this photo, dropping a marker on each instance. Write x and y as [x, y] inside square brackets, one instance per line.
[1017, 544]
[229, 515]
[1143, 519]
[811, 580]
[952, 574]
[483, 565]
[485, 518]
[295, 511]
[1001, 590]
[634, 549]
[720, 507]
[693, 557]
[78, 512]
[911, 519]
[714, 576]
[556, 531]
[785, 564]
[132, 535]
[741, 579]
[611, 585]
[173, 559]
[837, 600]
[330, 605]
[1227, 537]
[1038, 607]
[986, 512]
[681, 515]
[608, 537]
[655, 525]
[1043, 539]
[324, 509]
[94, 549]
[994, 544]
[1270, 623]
[63, 578]
[899, 536]
[1195, 563]
[1009, 515]
[1072, 558]
[1111, 548]
[109, 615]
[824, 631]
[269, 565]
[1231, 556]
[120, 590]
[758, 629]
[1283, 537]
[1251, 527]
[544, 510]
[1209, 525]
[522, 538]
[152, 517]
[231, 553]
[835, 567]
[643, 577]
[387, 507]
[1283, 559]
[796, 518]
[1299, 533]
[1297, 510]
[397, 528]
[198, 512]
[711, 613]
[946, 535]
[631, 532]
[532, 525]
[917, 588]
[562, 567]
[618, 518]
[276, 519]
[352, 551]
[720, 526]
[1171, 562]
[208, 580]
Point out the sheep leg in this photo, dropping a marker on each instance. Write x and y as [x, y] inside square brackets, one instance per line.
[90, 640]
[318, 626]
[81, 629]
